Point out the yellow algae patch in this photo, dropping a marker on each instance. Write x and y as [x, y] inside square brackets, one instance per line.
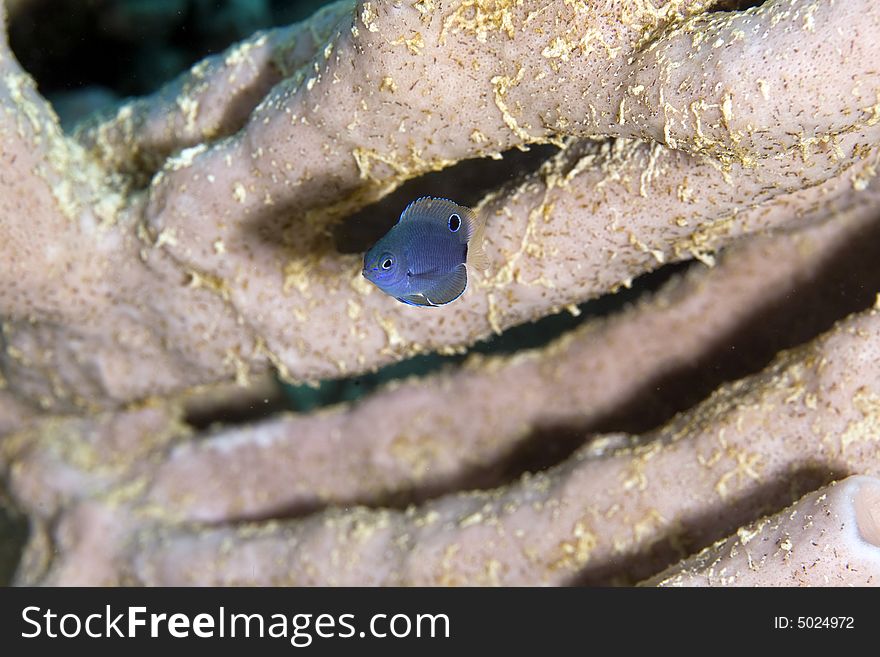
[648, 527]
[242, 372]
[747, 534]
[502, 84]
[388, 84]
[73, 176]
[471, 519]
[403, 168]
[185, 158]
[727, 110]
[646, 15]
[365, 158]
[354, 310]
[478, 137]
[20, 86]
[297, 274]
[189, 108]
[809, 19]
[494, 316]
[701, 242]
[480, 17]
[634, 477]
[166, 236]
[209, 282]
[425, 8]
[668, 138]
[868, 427]
[576, 552]
[873, 112]
[591, 41]
[657, 254]
[652, 170]
[415, 44]
[369, 16]
[509, 271]
[260, 347]
[861, 180]
[746, 467]
[394, 338]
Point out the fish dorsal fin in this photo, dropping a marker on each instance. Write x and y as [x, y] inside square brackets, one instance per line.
[416, 209]
[429, 208]
[440, 210]
[449, 288]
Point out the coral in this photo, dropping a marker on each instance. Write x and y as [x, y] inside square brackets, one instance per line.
[191, 239]
[837, 531]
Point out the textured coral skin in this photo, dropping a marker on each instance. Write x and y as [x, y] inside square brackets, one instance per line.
[196, 240]
[185, 242]
[837, 530]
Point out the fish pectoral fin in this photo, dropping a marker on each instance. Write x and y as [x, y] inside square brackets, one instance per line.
[477, 258]
[448, 288]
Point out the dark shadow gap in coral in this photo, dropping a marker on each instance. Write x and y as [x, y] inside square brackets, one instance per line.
[281, 227]
[248, 407]
[531, 335]
[845, 283]
[101, 51]
[694, 533]
[691, 534]
[133, 48]
[13, 538]
[736, 5]
[466, 182]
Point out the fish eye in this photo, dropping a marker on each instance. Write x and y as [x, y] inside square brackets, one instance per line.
[454, 222]
[386, 263]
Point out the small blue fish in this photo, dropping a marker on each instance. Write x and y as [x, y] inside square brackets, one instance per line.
[423, 259]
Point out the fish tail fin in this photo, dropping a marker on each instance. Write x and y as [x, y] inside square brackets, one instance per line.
[476, 256]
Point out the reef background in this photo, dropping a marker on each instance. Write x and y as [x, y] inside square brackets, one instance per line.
[106, 50]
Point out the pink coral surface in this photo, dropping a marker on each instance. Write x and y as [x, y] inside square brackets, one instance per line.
[161, 264]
